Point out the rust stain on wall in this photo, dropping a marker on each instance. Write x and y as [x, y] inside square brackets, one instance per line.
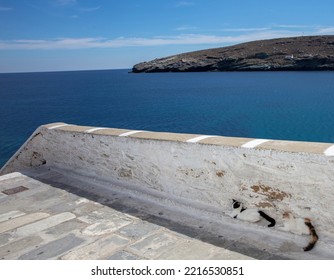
[264, 204]
[220, 174]
[271, 193]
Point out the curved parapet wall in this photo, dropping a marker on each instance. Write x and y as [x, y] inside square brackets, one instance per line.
[202, 170]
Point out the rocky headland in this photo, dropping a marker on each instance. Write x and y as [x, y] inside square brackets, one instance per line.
[295, 53]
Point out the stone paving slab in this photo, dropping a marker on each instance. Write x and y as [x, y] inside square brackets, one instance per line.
[21, 221]
[5, 238]
[99, 249]
[41, 225]
[10, 215]
[123, 255]
[154, 245]
[53, 249]
[196, 250]
[16, 248]
[73, 225]
[137, 230]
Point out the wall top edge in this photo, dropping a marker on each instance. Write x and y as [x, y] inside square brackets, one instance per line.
[326, 149]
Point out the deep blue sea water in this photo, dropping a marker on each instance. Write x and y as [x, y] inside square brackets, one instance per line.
[273, 105]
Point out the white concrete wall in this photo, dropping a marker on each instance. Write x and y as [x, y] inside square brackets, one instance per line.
[193, 169]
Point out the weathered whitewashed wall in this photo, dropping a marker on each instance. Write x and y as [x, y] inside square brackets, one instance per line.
[207, 171]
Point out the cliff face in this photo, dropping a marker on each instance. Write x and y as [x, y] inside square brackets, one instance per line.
[295, 53]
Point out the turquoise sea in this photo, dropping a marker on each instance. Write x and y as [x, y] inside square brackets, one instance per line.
[272, 105]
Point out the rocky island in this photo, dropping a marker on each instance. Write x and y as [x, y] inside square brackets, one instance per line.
[284, 54]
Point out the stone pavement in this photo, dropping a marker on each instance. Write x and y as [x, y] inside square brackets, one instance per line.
[54, 221]
[47, 215]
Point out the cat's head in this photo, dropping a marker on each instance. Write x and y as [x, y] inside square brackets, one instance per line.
[236, 204]
[287, 215]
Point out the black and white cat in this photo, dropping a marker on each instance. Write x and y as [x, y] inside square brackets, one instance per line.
[251, 215]
[300, 226]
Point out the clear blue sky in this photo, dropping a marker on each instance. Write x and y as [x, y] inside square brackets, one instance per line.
[53, 35]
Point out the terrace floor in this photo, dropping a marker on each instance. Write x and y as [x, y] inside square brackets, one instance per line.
[45, 214]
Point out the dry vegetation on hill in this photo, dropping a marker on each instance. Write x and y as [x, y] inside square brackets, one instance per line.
[295, 53]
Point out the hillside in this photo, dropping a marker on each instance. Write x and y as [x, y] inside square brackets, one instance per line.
[295, 53]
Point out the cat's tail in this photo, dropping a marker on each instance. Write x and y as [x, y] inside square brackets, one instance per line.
[268, 218]
[314, 236]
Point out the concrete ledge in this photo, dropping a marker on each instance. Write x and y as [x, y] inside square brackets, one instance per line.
[199, 172]
[265, 144]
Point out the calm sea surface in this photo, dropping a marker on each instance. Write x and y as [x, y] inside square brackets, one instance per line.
[274, 105]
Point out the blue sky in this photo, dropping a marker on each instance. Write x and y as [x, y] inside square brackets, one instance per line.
[54, 35]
